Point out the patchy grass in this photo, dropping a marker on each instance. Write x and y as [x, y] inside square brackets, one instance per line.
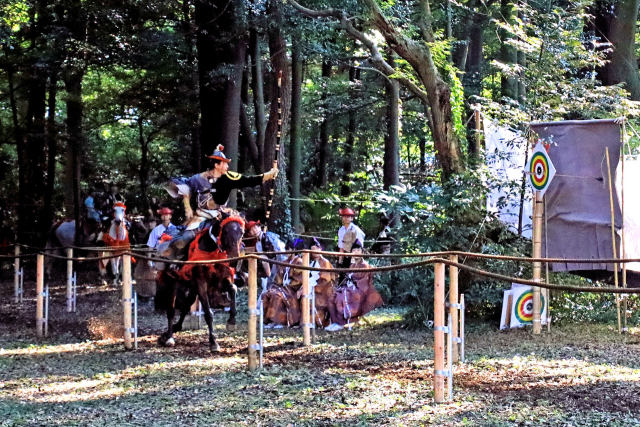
[378, 374]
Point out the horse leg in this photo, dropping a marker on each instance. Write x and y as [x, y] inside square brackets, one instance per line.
[184, 310]
[166, 338]
[231, 322]
[115, 269]
[102, 267]
[206, 307]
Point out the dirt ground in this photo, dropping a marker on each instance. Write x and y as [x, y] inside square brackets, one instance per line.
[380, 373]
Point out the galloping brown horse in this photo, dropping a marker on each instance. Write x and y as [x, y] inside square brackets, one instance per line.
[213, 284]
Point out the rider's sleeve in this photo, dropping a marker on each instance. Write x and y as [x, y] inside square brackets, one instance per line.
[237, 180]
[178, 187]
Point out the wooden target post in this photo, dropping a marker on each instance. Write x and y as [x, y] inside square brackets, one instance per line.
[40, 295]
[454, 306]
[438, 333]
[253, 309]
[127, 300]
[537, 266]
[306, 318]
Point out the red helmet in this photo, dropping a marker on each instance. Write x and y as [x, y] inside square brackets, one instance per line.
[119, 205]
[251, 224]
[346, 212]
[164, 211]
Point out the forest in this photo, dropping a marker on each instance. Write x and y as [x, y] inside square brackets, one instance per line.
[380, 106]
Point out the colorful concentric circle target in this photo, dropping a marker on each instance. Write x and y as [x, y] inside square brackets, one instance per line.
[540, 169]
[523, 308]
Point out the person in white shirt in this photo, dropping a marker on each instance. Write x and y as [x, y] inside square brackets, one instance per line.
[155, 235]
[347, 235]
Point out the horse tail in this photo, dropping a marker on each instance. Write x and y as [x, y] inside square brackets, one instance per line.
[165, 285]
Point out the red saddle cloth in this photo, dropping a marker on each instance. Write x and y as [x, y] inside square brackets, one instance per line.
[196, 254]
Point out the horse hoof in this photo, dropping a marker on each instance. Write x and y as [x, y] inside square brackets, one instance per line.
[215, 348]
[231, 327]
[170, 342]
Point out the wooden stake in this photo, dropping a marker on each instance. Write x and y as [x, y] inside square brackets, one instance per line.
[40, 296]
[306, 317]
[438, 333]
[477, 119]
[624, 251]
[453, 306]
[126, 301]
[253, 305]
[69, 280]
[16, 277]
[537, 266]
[613, 237]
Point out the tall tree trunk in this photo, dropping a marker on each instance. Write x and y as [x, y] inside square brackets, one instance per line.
[75, 111]
[616, 23]
[233, 103]
[192, 82]
[211, 24]
[257, 87]
[279, 63]
[508, 53]
[391, 174]
[143, 173]
[295, 149]
[472, 80]
[323, 148]
[52, 147]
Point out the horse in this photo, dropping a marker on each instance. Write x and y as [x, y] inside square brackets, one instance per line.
[117, 238]
[178, 289]
[63, 235]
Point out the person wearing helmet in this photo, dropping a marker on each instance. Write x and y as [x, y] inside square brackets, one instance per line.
[347, 235]
[211, 189]
[166, 225]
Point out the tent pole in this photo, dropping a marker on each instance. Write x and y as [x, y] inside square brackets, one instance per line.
[613, 237]
[624, 251]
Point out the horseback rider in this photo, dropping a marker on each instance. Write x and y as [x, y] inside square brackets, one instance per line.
[347, 235]
[210, 190]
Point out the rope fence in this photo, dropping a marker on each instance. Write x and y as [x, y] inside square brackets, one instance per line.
[445, 352]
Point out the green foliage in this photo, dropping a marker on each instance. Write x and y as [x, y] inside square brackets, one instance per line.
[449, 216]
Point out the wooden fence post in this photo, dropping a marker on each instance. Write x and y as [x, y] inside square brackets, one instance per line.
[127, 300]
[40, 296]
[16, 277]
[438, 333]
[454, 306]
[253, 305]
[306, 323]
[70, 307]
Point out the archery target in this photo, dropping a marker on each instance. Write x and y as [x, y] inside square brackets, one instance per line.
[540, 169]
[522, 309]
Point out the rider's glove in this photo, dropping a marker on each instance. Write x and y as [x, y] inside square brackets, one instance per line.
[267, 176]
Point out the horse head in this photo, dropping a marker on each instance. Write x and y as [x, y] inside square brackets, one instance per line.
[119, 210]
[230, 237]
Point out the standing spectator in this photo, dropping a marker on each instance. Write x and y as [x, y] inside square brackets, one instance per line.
[164, 226]
[347, 235]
